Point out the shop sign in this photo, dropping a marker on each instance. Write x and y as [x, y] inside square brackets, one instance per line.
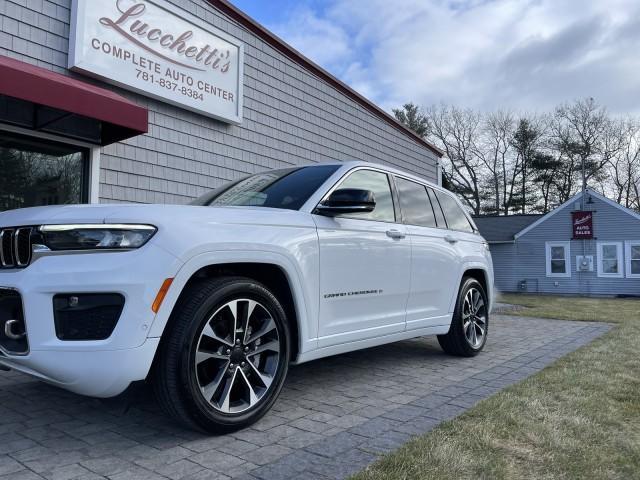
[582, 225]
[155, 49]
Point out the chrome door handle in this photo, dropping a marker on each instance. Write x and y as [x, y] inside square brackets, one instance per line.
[450, 239]
[395, 234]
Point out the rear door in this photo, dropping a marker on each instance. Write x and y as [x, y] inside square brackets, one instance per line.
[461, 235]
[435, 259]
[364, 267]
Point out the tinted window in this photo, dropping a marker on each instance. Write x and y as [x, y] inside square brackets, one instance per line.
[288, 189]
[456, 218]
[436, 209]
[378, 183]
[415, 203]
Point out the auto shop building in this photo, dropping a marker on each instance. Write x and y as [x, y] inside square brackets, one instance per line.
[157, 101]
[589, 245]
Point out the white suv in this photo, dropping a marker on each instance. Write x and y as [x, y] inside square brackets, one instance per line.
[211, 301]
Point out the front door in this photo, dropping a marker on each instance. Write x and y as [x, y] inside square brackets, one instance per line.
[365, 267]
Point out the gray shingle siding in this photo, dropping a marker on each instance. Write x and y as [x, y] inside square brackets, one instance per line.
[290, 117]
[526, 258]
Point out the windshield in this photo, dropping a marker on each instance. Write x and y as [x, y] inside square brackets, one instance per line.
[287, 188]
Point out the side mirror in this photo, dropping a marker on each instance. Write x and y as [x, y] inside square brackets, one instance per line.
[347, 200]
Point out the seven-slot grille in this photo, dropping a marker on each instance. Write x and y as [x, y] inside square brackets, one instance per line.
[15, 247]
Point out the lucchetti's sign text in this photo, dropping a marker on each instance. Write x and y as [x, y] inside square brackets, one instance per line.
[582, 225]
[155, 49]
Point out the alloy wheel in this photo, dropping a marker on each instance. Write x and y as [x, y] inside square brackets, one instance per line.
[237, 356]
[474, 317]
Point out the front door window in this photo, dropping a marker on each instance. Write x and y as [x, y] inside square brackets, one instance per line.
[36, 172]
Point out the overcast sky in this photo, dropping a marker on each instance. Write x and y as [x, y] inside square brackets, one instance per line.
[486, 54]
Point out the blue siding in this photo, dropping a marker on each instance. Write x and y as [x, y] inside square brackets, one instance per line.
[525, 259]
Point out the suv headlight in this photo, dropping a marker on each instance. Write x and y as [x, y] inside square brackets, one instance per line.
[93, 237]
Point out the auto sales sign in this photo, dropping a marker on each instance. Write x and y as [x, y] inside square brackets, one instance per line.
[157, 50]
[582, 225]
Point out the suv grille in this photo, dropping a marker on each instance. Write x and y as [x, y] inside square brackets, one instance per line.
[15, 247]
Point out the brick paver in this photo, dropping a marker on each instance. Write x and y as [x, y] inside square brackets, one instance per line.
[334, 417]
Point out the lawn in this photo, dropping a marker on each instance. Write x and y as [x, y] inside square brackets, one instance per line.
[578, 418]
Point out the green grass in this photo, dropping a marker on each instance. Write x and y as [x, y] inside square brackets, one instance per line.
[578, 418]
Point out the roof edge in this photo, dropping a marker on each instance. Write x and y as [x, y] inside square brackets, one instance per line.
[578, 195]
[548, 215]
[613, 203]
[283, 47]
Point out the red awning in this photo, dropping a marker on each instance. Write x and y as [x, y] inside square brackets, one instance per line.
[119, 117]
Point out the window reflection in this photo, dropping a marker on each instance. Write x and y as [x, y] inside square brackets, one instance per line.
[415, 203]
[34, 172]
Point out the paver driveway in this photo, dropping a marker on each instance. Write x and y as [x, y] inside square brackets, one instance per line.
[334, 416]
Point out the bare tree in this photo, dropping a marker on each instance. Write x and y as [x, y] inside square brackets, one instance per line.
[588, 137]
[624, 167]
[456, 132]
[494, 150]
[502, 162]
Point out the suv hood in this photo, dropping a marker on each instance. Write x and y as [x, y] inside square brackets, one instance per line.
[158, 215]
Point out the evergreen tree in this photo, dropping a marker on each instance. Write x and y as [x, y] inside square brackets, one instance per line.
[525, 142]
[412, 116]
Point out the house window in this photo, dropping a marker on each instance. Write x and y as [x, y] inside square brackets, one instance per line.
[610, 259]
[633, 259]
[558, 263]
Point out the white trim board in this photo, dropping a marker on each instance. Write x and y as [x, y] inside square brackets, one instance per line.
[94, 175]
[619, 259]
[567, 259]
[627, 255]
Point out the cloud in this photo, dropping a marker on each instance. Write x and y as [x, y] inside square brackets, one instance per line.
[486, 54]
[320, 39]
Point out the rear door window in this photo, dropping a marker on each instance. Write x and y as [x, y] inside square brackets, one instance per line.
[456, 218]
[415, 203]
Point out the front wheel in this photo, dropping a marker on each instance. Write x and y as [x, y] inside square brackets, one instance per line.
[224, 357]
[470, 324]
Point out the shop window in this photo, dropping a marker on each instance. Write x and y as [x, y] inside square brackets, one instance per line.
[37, 172]
[610, 259]
[633, 258]
[558, 260]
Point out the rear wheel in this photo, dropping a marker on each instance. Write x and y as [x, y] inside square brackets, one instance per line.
[224, 356]
[470, 324]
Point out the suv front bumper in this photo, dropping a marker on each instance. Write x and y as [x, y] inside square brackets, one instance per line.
[100, 368]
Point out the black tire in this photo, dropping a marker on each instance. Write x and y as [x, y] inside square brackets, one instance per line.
[175, 373]
[456, 341]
